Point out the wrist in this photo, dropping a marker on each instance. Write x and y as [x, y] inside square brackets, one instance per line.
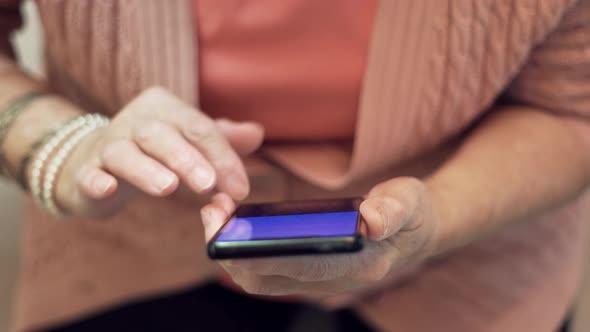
[9, 113]
[444, 217]
[41, 117]
[49, 161]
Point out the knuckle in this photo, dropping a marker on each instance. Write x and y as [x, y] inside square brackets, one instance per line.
[149, 131]
[203, 132]
[152, 100]
[392, 207]
[227, 164]
[155, 91]
[113, 150]
[181, 161]
[395, 214]
[144, 98]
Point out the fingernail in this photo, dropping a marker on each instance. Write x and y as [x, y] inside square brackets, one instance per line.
[202, 178]
[164, 181]
[104, 184]
[373, 217]
[239, 184]
[369, 212]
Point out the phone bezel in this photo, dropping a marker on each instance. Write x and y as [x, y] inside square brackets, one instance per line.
[289, 246]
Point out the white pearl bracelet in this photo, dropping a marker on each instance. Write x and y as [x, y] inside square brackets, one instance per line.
[46, 151]
[66, 139]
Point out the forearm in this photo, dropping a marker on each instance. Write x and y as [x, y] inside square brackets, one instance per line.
[516, 164]
[37, 118]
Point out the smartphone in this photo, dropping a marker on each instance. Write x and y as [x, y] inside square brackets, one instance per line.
[289, 228]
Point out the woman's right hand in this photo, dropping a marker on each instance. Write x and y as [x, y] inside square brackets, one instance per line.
[155, 143]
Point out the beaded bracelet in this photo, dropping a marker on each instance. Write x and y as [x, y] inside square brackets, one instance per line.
[47, 150]
[7, 118]
[54, 166]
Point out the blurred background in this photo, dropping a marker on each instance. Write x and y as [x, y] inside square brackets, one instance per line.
[29, 43]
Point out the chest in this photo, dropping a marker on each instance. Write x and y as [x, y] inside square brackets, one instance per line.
[432, 67]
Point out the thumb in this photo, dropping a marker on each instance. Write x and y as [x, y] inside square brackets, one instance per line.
[384, 216]
[391, 206]
[244, 137]
[213, 219]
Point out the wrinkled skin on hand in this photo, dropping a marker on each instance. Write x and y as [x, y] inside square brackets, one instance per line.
[400, 225]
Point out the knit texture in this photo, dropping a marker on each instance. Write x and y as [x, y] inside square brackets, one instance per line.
[101, 54]
[436, 67]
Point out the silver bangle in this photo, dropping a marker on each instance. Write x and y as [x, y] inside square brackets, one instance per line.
[8, 117]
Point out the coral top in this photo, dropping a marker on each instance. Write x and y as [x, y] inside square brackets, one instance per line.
[286, 64]
[306, 87]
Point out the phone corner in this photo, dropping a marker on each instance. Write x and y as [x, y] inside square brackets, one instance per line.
[211, 250]
[359, 242]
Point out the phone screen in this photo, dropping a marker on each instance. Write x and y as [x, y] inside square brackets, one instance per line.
[290, 228]
[285, 226]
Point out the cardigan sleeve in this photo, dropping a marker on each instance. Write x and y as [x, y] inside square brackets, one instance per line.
[556, 76]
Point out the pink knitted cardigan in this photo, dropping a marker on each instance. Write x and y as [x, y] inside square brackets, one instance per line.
[434, 68]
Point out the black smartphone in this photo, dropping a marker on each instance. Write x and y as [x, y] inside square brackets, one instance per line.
[289, 228]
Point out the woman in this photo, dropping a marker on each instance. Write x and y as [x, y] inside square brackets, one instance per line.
[465, 124]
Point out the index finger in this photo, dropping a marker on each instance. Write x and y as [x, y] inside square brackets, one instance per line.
[214, 214]
[201, 131]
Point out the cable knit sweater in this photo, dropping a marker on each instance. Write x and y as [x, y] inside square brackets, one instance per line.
[434, 67]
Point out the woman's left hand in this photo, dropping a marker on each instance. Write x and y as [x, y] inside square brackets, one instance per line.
[400, 225]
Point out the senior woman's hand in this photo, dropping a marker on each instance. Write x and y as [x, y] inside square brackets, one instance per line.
[155, 143]
[400, 224]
